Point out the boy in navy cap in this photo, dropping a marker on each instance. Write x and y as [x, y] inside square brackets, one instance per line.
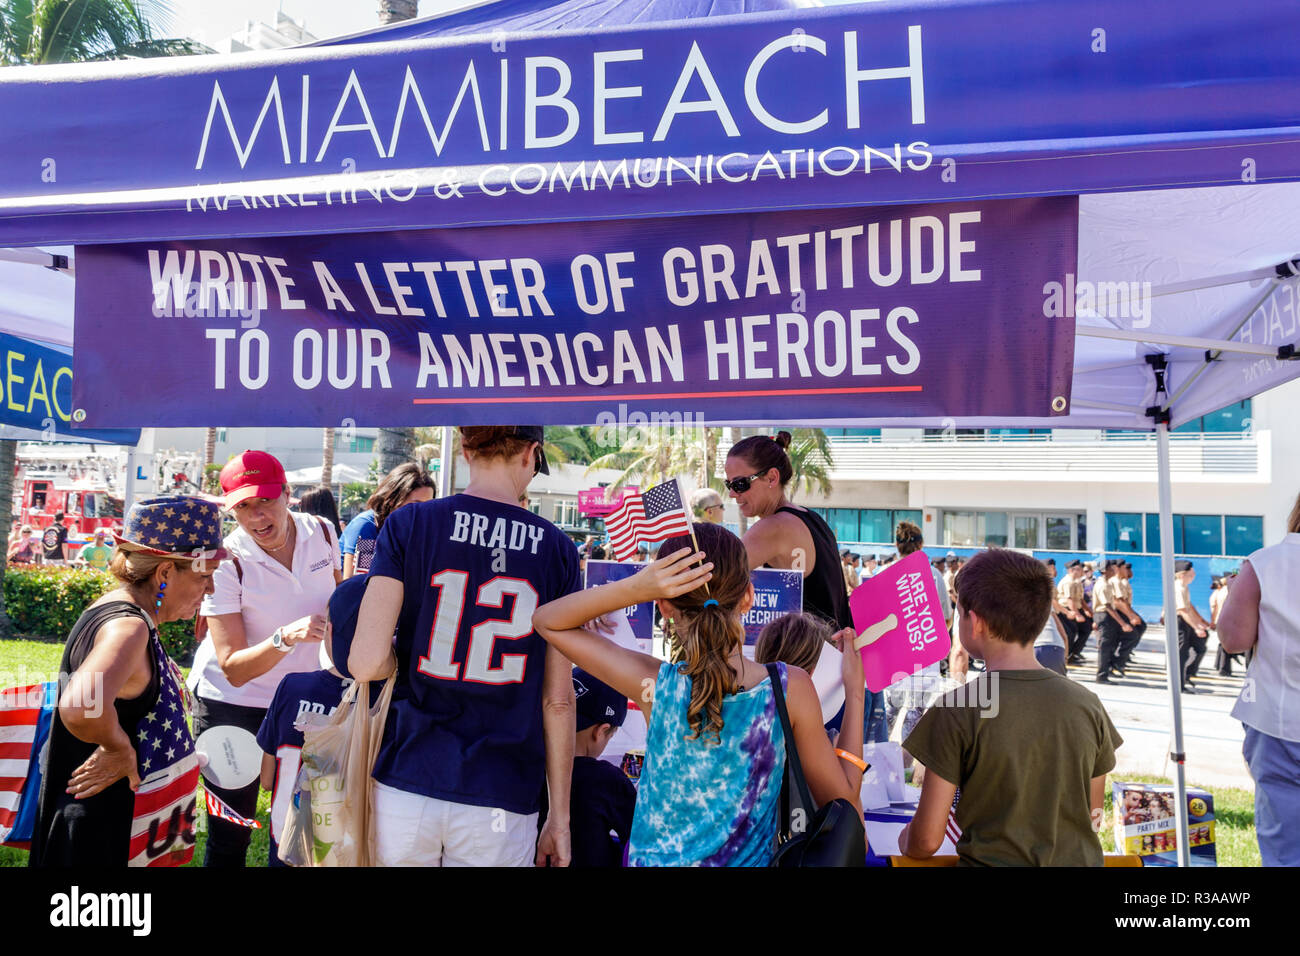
[602, 799]
[312, 692]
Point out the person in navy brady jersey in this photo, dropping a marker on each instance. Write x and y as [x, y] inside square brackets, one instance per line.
[317, 692]
[483, 711]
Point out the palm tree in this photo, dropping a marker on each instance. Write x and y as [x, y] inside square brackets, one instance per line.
[209, 447]
[570, 443]
[395, 11]
[654, 454]
[327, 457]
[811, 460]
[66, 31]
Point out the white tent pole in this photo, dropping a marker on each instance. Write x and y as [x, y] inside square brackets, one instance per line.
[128, 492]
[1214, 282]
[1176, 341]
[1110, 407]
[1172, 662]
[446, 487]
[1191, 379]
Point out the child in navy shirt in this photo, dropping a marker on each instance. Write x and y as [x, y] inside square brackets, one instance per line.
[602, 799]
[312, 692]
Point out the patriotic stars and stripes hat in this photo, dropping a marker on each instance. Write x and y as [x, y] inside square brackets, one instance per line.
[173, 526]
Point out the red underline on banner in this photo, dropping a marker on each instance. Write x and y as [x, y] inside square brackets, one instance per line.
[660, 395]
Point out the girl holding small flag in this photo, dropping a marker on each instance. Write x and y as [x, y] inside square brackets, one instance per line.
[715, 752]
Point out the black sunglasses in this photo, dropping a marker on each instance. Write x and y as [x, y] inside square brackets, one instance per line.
[741, 485]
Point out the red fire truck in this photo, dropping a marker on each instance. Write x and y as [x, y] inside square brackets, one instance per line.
[86, 505]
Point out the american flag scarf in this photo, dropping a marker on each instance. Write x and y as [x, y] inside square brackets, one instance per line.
[162, 826]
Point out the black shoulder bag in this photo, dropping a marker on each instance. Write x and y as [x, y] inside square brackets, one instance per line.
[830, 836]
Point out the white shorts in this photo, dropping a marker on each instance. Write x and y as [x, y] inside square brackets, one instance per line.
[414, 830]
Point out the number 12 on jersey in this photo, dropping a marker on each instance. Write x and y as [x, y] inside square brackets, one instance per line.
[452, 586]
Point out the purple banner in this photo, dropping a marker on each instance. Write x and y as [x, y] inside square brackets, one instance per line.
[885, 312]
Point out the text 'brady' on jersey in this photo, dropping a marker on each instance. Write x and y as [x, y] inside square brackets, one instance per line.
[466, 721]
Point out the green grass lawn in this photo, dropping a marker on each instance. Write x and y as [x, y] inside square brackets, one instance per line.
[28, 662]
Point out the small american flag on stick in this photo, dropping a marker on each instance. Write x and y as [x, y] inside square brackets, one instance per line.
[651, 515]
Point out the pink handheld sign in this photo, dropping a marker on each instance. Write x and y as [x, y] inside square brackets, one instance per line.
[899, 619]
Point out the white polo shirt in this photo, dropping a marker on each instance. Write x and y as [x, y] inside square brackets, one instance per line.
[269, 596]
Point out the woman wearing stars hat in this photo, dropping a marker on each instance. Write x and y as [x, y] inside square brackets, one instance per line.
[119, 731]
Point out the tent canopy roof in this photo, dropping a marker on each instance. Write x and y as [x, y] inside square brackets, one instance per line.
[538, 16]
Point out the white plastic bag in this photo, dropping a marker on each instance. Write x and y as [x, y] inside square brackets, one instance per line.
[329, 819]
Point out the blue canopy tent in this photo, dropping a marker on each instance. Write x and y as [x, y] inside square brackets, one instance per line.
[986, 99]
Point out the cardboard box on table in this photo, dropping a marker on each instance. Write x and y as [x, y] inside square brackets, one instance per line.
[1145, 824]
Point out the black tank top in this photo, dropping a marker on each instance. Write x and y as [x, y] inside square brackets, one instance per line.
[95, 831]
[823, 590]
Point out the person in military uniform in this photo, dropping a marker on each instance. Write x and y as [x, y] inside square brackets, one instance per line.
[1124, 603]
[1076, 621]
[1193, 630]
[1111, 624]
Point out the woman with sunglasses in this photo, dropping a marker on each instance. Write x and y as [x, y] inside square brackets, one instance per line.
[483, 711]
[786, 536]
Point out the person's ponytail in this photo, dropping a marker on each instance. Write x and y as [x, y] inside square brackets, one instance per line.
[708, 629]
[708, 637]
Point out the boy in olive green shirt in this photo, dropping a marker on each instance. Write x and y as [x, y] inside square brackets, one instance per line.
[1029, 749]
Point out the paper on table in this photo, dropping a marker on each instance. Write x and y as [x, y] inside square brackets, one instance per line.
[886, 761]
[873, 793]
[883, 835]
[828, 679]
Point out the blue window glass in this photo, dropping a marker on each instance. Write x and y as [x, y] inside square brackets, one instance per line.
[905, 515]
[1242, 534]
[1202, 534]
[1227, 420]
[876, 524]
[844, 522]
[1180, 539]
[1123, 532]
[1153, 532]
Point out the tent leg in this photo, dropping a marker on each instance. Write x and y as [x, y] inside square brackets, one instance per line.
[1172, 665]
[128, 492]
[446, 486]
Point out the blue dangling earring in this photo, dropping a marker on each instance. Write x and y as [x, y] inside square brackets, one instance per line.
[158, 603]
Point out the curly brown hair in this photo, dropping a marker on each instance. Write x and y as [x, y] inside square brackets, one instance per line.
[908, 538]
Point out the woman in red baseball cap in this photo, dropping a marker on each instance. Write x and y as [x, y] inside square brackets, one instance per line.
[266, 618]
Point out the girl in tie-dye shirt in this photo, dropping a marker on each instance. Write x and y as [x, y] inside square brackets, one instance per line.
[715, 752]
